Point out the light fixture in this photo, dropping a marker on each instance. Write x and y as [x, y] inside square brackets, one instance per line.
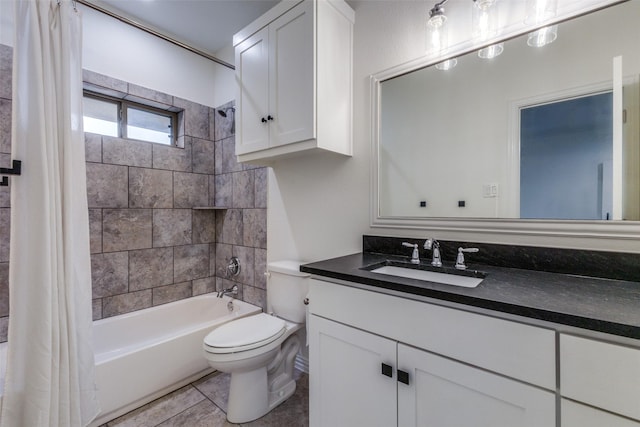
[436, 32]
[447, 65]
[543, 36]
[485, 27]
[539, 11]
[491, 51]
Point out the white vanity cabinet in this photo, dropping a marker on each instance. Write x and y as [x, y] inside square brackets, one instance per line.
[380, 360]
[352, 374]
[294, 75]
[600, 375]
[579, 415]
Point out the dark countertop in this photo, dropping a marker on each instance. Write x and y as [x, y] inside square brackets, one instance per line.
[603, 305]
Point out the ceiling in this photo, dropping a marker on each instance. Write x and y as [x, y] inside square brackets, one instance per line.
[206, 25]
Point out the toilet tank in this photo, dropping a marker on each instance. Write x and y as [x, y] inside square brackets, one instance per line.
[287, 288]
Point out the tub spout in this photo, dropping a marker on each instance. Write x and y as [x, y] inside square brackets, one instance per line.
[229, 291]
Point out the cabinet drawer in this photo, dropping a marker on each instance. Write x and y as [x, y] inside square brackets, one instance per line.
[516, 350]
[601, 374]
[577, 415]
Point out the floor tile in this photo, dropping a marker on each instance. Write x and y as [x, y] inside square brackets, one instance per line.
[204, 403]
[153, 413]
[216, 387]
[204, 414]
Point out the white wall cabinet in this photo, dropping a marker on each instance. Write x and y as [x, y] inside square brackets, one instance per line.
[294, 74]
[359, 378]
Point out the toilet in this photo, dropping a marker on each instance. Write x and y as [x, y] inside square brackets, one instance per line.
[259, 351]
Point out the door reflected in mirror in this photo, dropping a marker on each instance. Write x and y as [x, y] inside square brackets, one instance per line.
[476, 141]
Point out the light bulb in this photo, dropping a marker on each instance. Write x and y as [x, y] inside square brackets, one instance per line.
[484, 20]
[436, 32]
[539, 11]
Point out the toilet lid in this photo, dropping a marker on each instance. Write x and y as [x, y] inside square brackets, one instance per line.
[245, 334]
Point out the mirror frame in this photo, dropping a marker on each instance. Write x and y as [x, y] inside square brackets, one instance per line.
[620, 230]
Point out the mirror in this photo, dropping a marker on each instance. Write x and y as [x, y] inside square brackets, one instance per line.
[526, 135]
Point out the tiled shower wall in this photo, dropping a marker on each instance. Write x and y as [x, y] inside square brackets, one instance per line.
[148, 245]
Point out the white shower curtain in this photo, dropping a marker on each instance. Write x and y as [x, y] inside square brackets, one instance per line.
[50, 367]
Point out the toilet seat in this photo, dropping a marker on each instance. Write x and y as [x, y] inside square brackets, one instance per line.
[245, 334]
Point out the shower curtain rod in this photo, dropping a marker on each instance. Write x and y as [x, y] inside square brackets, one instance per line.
[155, 33]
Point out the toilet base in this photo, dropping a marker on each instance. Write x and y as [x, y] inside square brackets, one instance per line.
[255, 393]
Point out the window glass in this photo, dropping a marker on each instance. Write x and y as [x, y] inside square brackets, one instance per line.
[100, 116]
[148, 126]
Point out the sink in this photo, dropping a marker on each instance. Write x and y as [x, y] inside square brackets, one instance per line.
[466, 279]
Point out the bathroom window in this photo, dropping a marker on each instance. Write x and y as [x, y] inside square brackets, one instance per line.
[124, 119]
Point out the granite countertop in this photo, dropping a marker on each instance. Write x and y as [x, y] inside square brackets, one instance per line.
[603, 305]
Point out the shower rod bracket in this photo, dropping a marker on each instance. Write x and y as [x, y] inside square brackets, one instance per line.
[16, 169]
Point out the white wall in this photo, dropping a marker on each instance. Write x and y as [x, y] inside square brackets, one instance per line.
[319, 206]
[118, 50]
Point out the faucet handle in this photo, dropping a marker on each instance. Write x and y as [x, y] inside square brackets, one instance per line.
[415, 256]
[460, 265]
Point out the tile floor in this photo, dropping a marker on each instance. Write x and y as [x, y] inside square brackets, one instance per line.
[203, 403]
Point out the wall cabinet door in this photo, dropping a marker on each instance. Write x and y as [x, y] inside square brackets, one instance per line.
[346, 384]
[294, 74]
[276, 82]
[445, 393]
[252, 69]
[577, 415]
[291, 77]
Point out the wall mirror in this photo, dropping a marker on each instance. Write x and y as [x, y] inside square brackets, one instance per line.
[537, 138]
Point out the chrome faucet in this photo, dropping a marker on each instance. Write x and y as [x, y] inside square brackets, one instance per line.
[415, 255]
[434, 246]
[229, 291]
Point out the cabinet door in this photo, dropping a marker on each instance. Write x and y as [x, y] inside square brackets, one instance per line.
[252, 74]
[292, 77]
[577, 415]
[346, 384]
[445, 393]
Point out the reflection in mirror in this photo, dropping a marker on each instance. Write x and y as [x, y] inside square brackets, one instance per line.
[528, 134]
[566, 157]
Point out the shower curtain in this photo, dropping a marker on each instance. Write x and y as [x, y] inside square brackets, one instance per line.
[50, 366]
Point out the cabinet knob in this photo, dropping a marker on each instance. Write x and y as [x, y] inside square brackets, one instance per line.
[263, 120]
[387, 370]
[269, 118]
[403, 377]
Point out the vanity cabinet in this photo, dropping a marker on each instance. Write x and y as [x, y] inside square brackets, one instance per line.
[601, 375]
[365, 379]
[578, 415]
[294, 74]
[380, 360]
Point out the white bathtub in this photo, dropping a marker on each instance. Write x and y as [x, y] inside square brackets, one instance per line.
[143, 355]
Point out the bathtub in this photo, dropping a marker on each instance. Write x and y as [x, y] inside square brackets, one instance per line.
[146, 354]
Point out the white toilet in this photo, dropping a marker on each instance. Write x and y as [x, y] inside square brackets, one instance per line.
[259, 351]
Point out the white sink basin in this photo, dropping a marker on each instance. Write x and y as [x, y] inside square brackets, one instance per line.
[429, 276]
